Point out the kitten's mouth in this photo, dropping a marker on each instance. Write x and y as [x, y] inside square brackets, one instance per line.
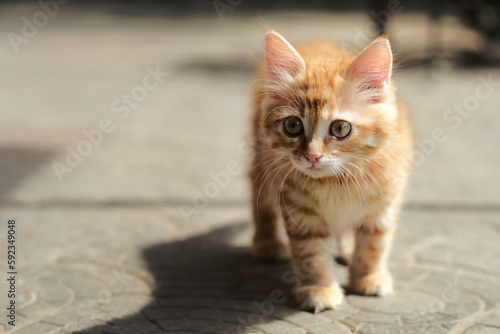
[312, 167]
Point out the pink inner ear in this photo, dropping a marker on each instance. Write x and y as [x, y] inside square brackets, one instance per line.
[281, 57]
[373, 65]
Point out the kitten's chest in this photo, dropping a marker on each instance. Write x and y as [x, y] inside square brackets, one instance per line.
[343, 213]
[344, 206]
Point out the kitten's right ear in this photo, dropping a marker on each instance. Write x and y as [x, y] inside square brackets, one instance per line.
[283, 61]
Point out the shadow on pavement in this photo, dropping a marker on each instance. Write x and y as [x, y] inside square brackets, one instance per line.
[214, 67]
[206, 285]
[16, 164]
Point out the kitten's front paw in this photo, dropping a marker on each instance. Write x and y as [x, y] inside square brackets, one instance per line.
[375, 284]
[318, 298]
[270, 250]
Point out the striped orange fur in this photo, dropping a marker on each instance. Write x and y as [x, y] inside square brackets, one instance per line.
[331, 158]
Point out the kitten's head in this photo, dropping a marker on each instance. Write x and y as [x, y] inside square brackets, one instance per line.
[326, 108]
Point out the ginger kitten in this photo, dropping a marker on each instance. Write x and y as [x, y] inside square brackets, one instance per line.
[331, 157]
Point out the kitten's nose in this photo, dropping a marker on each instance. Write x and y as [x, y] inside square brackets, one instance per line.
[312, 157]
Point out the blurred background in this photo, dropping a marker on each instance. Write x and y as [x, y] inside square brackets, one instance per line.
[66, 67]
[124, 124]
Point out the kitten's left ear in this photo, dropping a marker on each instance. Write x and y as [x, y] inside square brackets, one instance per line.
[373, 66]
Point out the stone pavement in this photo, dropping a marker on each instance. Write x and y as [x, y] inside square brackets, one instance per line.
[114, 244]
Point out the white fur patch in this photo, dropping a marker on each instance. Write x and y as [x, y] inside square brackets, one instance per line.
[325, 113]
[323, 128]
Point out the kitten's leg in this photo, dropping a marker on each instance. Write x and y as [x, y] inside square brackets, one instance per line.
[318, 289]
[368, 273]
[267, 244]
[345, 247]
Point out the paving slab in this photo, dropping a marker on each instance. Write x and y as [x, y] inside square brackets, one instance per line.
[194, 283]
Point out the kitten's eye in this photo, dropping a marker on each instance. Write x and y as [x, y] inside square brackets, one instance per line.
[293, 126]
[340, 129]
